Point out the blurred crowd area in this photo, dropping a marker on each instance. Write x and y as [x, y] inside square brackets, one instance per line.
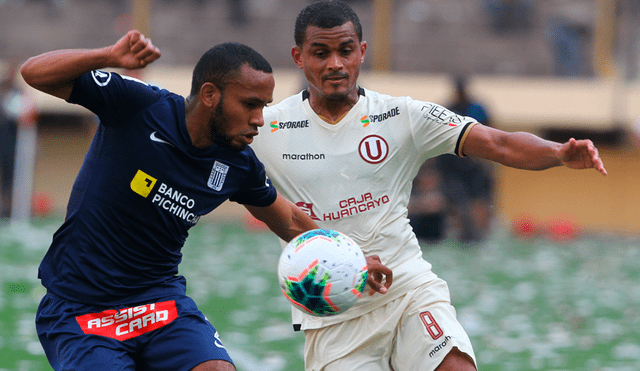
[488, 37]
[462, 39]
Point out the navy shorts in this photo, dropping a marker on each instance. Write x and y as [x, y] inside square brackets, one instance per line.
[169, 334]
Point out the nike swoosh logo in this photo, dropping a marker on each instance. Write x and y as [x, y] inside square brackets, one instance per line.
[156, 139]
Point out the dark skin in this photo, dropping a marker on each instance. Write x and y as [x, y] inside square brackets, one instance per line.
[331, 60]
[230, 119]
[54, 73]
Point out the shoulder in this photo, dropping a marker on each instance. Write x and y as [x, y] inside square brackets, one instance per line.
[381, 98]
[286, 104]
[114, 97]
[115, 82]
[405, 104]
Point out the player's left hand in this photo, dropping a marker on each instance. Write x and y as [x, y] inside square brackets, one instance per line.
[379, 277]
[581, 154]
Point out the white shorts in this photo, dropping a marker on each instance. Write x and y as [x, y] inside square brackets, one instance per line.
[412, 333]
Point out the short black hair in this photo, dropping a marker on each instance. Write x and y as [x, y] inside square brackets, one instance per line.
[223, 62]
[325, 14]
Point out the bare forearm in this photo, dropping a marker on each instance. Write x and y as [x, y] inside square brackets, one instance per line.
[527, 151]
[519, 150]
[283, 218]
[300, 222]
[54, 72]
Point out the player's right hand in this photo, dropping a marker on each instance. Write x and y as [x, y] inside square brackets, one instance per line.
[581, 154]
[134, 51]
[379, 277]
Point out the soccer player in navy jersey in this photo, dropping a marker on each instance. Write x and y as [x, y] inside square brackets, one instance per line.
[157, 163]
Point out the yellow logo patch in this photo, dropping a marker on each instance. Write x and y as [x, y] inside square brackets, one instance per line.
[143, 183]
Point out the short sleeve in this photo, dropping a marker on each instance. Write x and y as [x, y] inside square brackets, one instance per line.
[437, 130]
[258, 189]
[112, 97]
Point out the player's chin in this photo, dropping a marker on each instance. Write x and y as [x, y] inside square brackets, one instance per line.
[337, 95]
[241, 141]
[237, 145]
[240, 147]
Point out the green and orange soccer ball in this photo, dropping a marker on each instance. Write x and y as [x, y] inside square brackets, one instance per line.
[322, 272]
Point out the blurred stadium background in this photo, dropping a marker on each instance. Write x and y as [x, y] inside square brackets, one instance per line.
[557, 68]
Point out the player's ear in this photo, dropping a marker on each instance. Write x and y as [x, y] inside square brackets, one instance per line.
[296, 53]
[363, 49]
[209, 94]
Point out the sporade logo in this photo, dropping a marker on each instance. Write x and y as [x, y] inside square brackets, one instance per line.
[275, 125]
[366, 120]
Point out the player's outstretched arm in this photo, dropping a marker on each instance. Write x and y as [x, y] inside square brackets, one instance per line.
[283, 218]
[54, 72]
[527, 151]
[379, 277]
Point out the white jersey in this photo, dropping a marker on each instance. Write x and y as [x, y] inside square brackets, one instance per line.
[355, 176]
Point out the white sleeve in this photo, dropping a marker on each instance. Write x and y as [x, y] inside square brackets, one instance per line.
[437, 130]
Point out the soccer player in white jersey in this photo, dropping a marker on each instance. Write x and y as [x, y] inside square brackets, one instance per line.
[347, 156]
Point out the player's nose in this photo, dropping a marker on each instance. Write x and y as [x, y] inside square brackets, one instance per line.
[257, 119]
[334, 62]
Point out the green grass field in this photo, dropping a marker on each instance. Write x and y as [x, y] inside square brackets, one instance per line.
[526, 304]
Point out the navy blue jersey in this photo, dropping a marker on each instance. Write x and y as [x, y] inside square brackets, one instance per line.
[141, 187]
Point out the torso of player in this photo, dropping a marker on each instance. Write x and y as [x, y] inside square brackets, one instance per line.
[355, 176]
[141, 187]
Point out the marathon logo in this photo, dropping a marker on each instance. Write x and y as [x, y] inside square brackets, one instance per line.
[380, 117]
[303, 156]
[275, 125]
[128, 323]
[440, 346]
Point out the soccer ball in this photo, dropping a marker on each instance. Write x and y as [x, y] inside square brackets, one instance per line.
[322, 272]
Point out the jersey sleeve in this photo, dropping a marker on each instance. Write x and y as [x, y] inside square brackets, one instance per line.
[437, 130]
[112, 97]
[258, 189]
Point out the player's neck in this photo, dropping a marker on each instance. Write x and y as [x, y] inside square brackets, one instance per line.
[332, 110]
